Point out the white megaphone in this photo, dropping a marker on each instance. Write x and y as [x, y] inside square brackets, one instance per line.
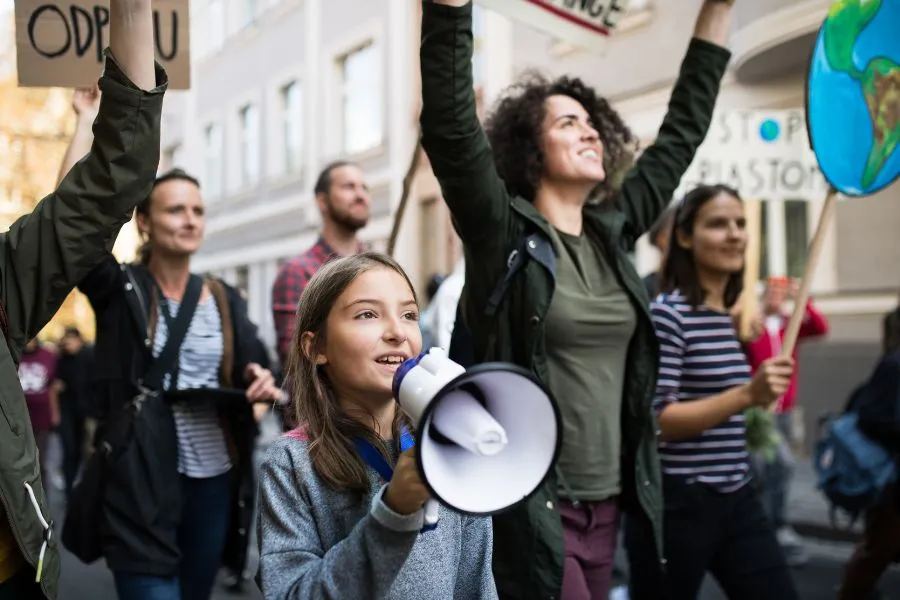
[486, 437]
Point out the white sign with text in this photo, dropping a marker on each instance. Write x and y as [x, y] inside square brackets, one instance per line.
[584, 23]
[764, 154]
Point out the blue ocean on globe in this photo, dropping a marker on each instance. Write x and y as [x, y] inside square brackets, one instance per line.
[839, 124]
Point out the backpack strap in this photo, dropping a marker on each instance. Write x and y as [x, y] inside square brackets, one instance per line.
[217, 289]
[461, 347]
[514, 263]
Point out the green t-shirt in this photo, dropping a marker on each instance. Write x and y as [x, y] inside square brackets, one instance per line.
[588, 328]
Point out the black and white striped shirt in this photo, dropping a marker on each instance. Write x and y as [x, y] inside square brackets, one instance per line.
[701, 356]
[201, 443]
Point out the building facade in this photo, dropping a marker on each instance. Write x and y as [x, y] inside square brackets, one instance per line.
[281, 87]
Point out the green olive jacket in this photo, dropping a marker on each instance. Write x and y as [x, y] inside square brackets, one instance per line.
[43, 256]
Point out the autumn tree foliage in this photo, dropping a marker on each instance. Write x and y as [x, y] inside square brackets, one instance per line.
[34, 133]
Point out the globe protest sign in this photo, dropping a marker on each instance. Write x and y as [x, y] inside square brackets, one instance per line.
[584, 23]
[854, 96]
[853, 114]
[60, 43]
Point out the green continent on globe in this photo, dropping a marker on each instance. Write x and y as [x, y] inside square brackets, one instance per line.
[845, 21]
[880, 80]
[881, 88]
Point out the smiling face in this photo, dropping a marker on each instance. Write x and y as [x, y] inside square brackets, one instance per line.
[371, 329]
[719, 236]
[176, 218]
[573, 152]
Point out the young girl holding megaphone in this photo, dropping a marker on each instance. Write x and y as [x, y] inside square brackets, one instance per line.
[342, 503]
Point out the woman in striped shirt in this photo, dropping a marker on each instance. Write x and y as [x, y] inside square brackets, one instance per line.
[714, 519]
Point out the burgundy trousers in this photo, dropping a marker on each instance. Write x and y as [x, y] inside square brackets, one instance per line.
[590, 533]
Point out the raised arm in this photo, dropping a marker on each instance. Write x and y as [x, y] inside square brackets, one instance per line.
[649, 187]
[46, 253]
[86, 104]
[131, 40]
[452, 137]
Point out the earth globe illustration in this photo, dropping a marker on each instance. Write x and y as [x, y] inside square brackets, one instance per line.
[853, 96]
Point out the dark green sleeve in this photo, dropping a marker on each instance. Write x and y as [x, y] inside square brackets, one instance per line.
[46, 253]
[648, 188]
[452, 137]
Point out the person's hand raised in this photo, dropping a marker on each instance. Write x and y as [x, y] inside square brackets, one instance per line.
[86, 102]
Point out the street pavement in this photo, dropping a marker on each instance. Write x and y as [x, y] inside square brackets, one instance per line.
[817, 580]
[94, 582]
[821, 576]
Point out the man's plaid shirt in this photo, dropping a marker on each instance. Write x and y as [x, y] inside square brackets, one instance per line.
[289, 284]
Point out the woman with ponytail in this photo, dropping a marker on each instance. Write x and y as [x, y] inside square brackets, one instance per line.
[178, 489]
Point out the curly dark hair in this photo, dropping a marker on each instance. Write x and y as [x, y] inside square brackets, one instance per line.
[514, 132]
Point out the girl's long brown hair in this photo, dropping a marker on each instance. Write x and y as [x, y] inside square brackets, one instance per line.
[330, 431]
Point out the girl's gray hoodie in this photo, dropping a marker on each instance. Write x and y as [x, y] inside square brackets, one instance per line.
[316, 543]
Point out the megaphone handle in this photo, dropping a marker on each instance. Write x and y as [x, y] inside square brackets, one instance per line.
[431, 512]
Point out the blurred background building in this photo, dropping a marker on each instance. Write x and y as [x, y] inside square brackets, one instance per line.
[35, 131]
[281, 87]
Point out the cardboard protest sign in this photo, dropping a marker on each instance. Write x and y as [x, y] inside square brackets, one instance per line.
[585, 23]
[764, 154]
[60, 43]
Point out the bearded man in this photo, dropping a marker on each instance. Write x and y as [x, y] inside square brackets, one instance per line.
[343, 199]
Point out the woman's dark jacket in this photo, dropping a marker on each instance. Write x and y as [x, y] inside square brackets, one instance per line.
[140, 535]
[877, 402]
[528, 540]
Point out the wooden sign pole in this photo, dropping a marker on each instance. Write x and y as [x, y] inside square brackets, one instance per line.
[812, 262]
[749, 302]
[404, 196]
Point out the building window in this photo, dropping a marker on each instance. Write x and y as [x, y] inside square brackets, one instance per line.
[250, 8]
[292, 107]
[242, 279]
[796, 225]
[215, 23]
[478, 15]
[784, 233]
[362, 112]
[764, 240]
[249, 145]
[172, 157]
[213, 145]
